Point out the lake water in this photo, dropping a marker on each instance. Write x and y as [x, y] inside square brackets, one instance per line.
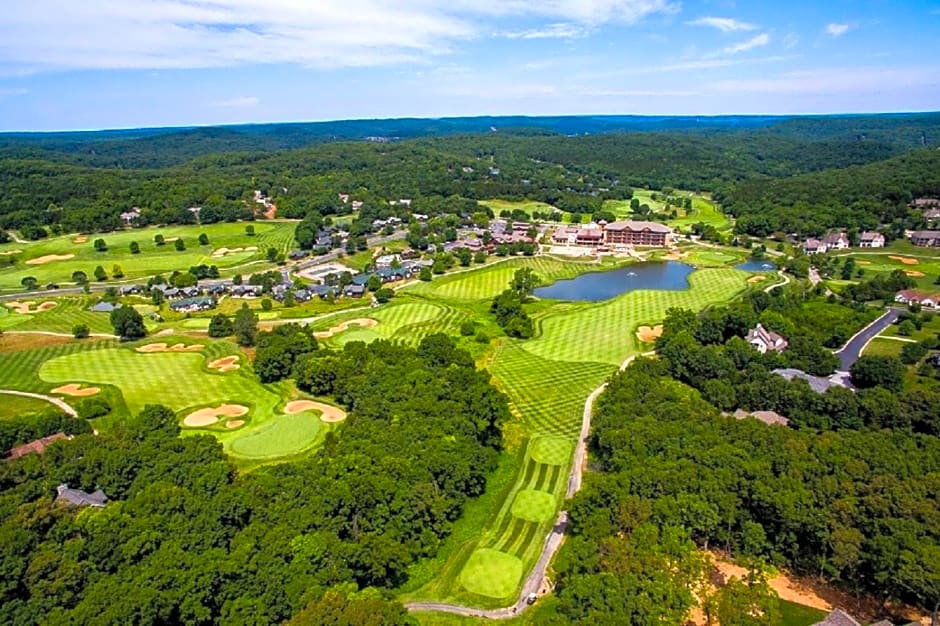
[753, 265]
[594, 286]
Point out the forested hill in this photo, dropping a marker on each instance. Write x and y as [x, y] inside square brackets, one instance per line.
[162, 147]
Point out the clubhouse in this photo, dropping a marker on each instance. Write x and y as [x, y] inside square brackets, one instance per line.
[626, 233]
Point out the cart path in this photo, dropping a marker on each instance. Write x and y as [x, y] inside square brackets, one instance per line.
[39, 396]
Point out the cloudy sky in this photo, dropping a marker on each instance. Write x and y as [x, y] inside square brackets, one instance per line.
[83, 64]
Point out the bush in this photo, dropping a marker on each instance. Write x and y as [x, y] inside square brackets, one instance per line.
[203, 239]
[467, 328]
[179, 245]
[80, 331]
[906, 328]
[90, 408]
[912, 353]
[266, 304]
[135, 247]
[100, 245]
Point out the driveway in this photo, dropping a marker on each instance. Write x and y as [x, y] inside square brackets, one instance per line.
[849, 353]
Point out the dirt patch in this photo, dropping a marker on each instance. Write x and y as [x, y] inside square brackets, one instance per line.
[162, 347]
[9, 252]
[675, 255]
[649, 334]
[14, 341]
[787, 588]
[330, 413]
[914, 273]
[49, 258]
[80, 239]
[756, 279]
[24, 308]
[903, 259]
[223, 251]
[225, 364]
[75, 389]
[234, 423]
[210, 415]
[363, 322]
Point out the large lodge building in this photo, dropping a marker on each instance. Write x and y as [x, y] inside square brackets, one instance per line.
[627, 233]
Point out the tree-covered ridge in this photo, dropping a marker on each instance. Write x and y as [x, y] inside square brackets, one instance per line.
[857, 507]
[186, 540]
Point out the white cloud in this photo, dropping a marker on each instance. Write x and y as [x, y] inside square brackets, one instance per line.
[791, 40]
[552, 31]
[754, 42]
[240, 102]
[837, 30]
[44, 35]
[724, 24]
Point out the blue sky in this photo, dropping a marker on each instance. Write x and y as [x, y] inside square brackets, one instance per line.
[85, 64]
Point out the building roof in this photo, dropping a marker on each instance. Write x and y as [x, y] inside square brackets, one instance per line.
[768, 337]
[768, 417]
[838, 617]
[870, 235]
[833, 238]
[926, 234]
[818, 384]
[79, 497]
[912, 295]
[38, 446]
[638, 226]
[812, 244]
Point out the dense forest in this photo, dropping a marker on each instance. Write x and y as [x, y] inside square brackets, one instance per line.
[773, 174]
[186, 539]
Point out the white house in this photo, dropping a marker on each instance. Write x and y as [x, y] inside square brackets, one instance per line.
[764, 340]
[813, 246]
[911, 296]
[837, 241]
[871, 239]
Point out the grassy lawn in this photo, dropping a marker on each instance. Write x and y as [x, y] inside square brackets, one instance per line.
[152, 259]
[793, 614]
[705, 211]
[529, 206]
[68, 312]
[15, 406]
[883, 347]
[924, 270]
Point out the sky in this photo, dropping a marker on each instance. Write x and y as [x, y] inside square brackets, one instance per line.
[91, 64]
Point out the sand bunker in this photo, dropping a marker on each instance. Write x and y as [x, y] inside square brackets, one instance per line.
[863, 262]
[675, 255]
[80, 239]
[225, 364]
[223, 251]
[756, 279]
[24, 308]
[75, 389]
[9, 252]
[330, 413]
[49, 258]
[234, 423]
[364, 322]
[649, 334]
[162, 347]
[914, 273]
[903, 259]
[210, 415]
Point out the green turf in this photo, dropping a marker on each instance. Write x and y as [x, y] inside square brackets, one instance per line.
[281, 436]
[529, 206]
[69, 311]
[492, 573]
[534, 506]
[884, 347]
[793, 614]
[552, 450]
[15, 406]
[152, 259]
[703, 210]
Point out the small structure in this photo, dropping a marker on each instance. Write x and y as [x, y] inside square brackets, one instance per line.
[354, 291]
[814, 246]
[78, 497]
[838, 617]
[871, 239]
[818, 384]
[130, 216]
[192, 305]
[912, 296]
[764, 340]
[926, 238]
[38, 446]
[771, 418]
[837, 241]
[105, 307]
[925, 203]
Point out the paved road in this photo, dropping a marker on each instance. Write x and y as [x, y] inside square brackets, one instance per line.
[56, 401]
[786, 281]
[852, 349]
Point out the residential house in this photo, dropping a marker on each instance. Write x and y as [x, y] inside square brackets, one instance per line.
[813, 246]
[819, 384]
[296, 255]
[871, 239]
[926, 238]
[128, 217]
[637, 233]
[925, 203]
[912, 296]
[837, 241]
[356, 205]
[38, 446]
[79, 497]
[246, 291]
[192, 305]
[838, 617]
[766, 340]
[932, 215]
[386, 260]
[354, 291]
[322, 291]
[131, 290]
[565, 235]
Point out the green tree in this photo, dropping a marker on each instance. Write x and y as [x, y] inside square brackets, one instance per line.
[100, 245]
[159, 239]
[245, 326]
[116, 271]
[179, 244]
[524, 282]
[374, 283]
[80, 331]
[156, 296]
[425, 274]
[127, 323]
[266, 304]
[250, 230]
[220, 326]
[875, 370]
[271, 254]
[79, 277]
[100, 274]
[203, 239]
[29, 282]
[906, 328]
[383, 295]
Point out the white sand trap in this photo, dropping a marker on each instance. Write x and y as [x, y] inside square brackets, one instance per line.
[756, 279]
[330, 413]
[363, 322]
[49, 258]
[24, 308]
[80, 239]
[225, 364]
[903, 259]
[234, 423]
[9, 252]
[210, 415]
[648, 334]
[914, 273]
[162, 347]
[223, 251]
[74, 389]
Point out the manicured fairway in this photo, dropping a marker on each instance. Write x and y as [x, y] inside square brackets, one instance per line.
[552, 450]
[15, 406]
[529, 206]
[283, 435]
[69, 311]
[492, 573]
[704, 211]
[534, 506]
[404, 319]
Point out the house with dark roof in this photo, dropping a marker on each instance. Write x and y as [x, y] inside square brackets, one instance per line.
[38, 446]
[354, 291]
[78, 497]
[771, 418]
[818, 384]
[925, 203]
[838, 617]
[105, 307]
[766, 340]
[926, 238]
[192, 305]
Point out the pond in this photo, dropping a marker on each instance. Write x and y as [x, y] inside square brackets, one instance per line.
[595, 286]
[754, 265]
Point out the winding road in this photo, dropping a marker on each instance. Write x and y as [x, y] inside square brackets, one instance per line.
[38, 396]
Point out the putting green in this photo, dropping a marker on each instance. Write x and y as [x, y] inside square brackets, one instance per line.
[491, 573]
[282, 436]
[534, 506]
[551, 450]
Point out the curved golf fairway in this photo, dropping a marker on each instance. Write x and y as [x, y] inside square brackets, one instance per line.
[284, 435]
